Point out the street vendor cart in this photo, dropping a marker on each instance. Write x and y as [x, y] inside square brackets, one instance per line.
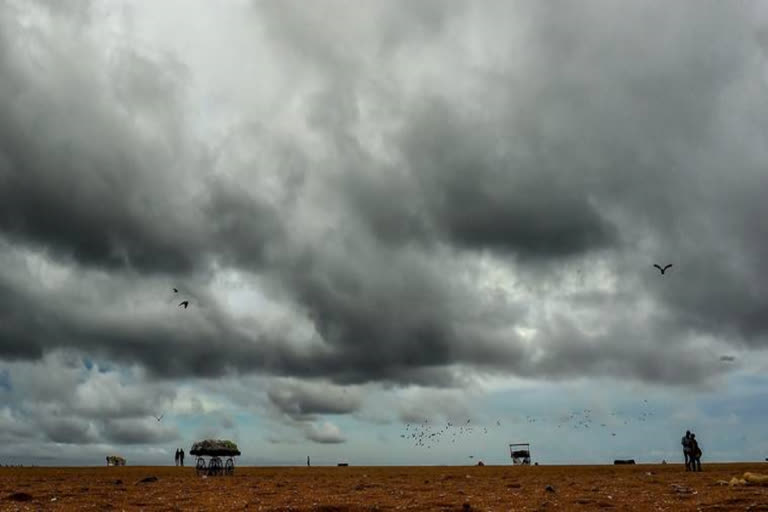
[215, 449]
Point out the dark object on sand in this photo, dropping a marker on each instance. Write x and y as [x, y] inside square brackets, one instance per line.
[147, 479]
[624, 461]
[480, 463]
[342, 464]
[215, 449]
[549, 488]
[19, 496]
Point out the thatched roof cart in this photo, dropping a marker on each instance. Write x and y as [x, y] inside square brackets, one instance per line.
[215, 449]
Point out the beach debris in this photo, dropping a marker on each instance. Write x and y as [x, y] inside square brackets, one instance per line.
[549, 488]
[749, 479]
[682, 489]
[147, 479]
[19, 496]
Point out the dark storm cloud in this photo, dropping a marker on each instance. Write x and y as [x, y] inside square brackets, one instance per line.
[481, 200]
[597, 142]
[87, 184]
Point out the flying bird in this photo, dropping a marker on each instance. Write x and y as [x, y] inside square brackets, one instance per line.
[184, 303]
[728, 359]
[158, 418]
[662, 269]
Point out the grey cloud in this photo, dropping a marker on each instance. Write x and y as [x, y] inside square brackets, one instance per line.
[70, 430]
[596, 145]
[432, 405]
[303, 400]
[135, 431]
[119, 196]
[325, 433]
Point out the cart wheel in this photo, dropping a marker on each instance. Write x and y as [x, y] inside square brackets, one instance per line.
[215, 467]
[200, 468]
[229, 466]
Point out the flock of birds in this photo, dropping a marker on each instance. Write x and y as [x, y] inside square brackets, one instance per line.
[428, 435]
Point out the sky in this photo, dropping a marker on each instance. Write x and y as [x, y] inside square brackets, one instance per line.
[384, 215]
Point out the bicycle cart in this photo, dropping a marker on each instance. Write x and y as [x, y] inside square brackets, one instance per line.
[215, 449]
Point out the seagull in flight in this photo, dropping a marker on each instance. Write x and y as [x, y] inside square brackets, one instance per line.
[175, 290]
[662, 269]
[158, 418]
[184, 303]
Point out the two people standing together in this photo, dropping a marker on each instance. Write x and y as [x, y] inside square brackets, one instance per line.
[691, 451]
[179, 457]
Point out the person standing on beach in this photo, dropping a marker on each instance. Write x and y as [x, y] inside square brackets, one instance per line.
[307, 460]
[176, 457]
[181, 456]
[695, 454]
[686, 442]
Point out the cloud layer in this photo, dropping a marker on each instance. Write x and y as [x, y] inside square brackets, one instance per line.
[408, 195]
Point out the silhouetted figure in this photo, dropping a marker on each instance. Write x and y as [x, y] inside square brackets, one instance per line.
[307, 460]
[107, 460]
[184, 303]
[687, 445]
[662, 269]
[177, 456]
[695, 454]
[181, 456]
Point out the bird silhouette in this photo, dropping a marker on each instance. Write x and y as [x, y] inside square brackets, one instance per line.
[175, 290]
[662, 269]
[158, 418]
[184, 303]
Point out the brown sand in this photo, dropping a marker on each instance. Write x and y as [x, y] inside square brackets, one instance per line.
[497, 488]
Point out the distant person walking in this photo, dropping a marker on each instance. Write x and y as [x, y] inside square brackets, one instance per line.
[181, 456]
[177, 457]
[695, 454]
[307, 460]
[687, 445]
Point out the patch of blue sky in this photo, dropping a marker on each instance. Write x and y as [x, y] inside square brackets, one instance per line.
[5, 380]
